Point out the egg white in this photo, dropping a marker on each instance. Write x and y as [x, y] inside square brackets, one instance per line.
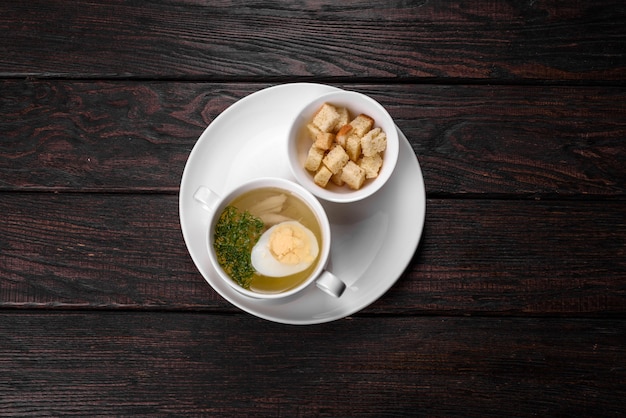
[264, 262]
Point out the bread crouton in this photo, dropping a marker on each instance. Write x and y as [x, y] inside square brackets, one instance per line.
[314, 158]
[371, 165]
[342, 135]
[313, 131]
[335, 159]
[344, 117]
[322, 176]
[362, 124]
[353, 147]
[324, 140]
[336, 178]
[353, 175]
[346, 150]
[326, 117]
[373, 142]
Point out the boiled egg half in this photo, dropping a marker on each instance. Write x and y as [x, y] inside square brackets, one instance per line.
[284, 249]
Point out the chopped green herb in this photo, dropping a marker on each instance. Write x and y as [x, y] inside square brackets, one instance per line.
[236, 233]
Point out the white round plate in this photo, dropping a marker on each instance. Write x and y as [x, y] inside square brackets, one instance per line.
[373, 240]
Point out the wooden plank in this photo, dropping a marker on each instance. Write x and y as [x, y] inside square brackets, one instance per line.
[103, 136]
[155, 364]
[515, 140]
[476, 257]
[470, 140]
[521, 257]
[97, 250]
[496, 41]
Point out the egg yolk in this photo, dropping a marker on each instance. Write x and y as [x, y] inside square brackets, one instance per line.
[289, 244]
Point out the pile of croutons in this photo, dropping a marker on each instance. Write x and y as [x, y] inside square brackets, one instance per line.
[344, 150]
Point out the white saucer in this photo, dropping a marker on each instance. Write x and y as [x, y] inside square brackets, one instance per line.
[373, 240]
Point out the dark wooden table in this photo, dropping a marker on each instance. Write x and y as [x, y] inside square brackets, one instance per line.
[513, 305]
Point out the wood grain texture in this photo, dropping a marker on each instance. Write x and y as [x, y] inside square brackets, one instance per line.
[539, 258]
[470, 140]
[496, 41]
[476, 257]
[97, 251]
[513, 305]
[118, 364]
[103, 136]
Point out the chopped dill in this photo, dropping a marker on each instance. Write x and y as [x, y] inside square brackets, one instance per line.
[236, 233]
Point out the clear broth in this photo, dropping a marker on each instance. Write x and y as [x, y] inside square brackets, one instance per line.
[295, 209]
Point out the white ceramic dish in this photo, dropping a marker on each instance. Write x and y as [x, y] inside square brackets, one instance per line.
[373, 239]
[299, 143]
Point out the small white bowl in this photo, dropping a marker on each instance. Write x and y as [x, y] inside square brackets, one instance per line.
[299, 143]
[215, 204]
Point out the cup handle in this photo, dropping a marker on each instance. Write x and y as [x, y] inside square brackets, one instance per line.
[330, 284]
[206, 197]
